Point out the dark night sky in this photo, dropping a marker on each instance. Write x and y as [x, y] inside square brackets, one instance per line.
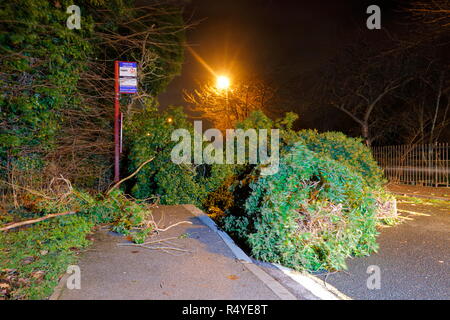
[269, 38]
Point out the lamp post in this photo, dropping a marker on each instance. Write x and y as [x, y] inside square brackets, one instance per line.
[223, 83]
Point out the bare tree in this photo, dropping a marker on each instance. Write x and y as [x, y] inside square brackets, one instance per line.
[428, 101]
[427, 96]
[433, 13]
[357, 83]
[227, 106]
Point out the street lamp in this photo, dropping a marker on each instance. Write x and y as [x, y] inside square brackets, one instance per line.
[222, 82]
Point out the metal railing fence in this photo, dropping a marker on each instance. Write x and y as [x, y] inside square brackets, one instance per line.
[424, 164]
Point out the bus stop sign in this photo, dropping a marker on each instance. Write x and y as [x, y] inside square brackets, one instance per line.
[127, 77]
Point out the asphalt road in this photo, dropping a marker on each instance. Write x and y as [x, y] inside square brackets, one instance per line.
[414, 259]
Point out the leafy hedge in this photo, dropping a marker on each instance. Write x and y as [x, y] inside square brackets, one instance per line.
[227, 196]
[349, 151]
[312, 214]
[172, 183]
[206, 186]
[52, 93]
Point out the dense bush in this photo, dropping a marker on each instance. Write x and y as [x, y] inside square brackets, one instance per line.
[335, 145]
[312, 214]
[41, 63]
[226, 197]
[258, 120]
[174, 183]
[55, 118]
[349, 151]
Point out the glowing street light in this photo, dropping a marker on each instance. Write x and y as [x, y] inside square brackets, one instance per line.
[222, 82]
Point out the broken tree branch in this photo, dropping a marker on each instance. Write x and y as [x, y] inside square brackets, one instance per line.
[118, 183]
[26, 222]
[173, 225]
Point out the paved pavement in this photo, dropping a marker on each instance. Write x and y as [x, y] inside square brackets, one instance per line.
[414, 258]
[208, 271]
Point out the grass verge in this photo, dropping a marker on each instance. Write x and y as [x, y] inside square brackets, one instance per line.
[33, 258]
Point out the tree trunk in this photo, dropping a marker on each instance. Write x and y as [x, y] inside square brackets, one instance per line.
[365, 133]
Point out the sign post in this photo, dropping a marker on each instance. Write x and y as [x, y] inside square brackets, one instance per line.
[125, 76]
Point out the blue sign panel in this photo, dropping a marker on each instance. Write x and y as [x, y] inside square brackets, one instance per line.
[127, 77]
